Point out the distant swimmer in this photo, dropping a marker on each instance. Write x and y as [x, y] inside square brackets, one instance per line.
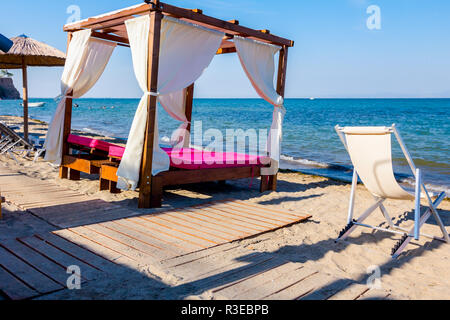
[104, 107]
[75, 105]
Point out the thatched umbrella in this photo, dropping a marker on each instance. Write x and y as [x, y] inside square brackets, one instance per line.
[29, 52]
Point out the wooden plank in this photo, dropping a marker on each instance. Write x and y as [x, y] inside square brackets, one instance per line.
[23, 271]
[285, 216]
[202, 224]
[79, 252]
[88, 272]
[258, 285]
[352, 292]
[327, 291]
[185, 236]
[13, 288]
[145, 249]
[268, 223]
[169, 239]
[96, 247]
[186, 228]
[132, 232]
[301, 287]
[374, 294]
[206, 175]
[248, 223]
[214, 270]
[259, 213]
[221, 250]
[39, 262]
[221, 222]
[111, 244]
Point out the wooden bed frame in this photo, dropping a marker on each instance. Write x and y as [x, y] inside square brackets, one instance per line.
[111, 27]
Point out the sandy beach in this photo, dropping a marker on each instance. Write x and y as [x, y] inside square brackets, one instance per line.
[420, 273]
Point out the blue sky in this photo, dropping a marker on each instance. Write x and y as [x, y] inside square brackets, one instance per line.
[335, 54]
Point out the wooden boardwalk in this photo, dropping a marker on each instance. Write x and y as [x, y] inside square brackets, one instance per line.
[221, 274]
[99, 236]
[57, 205]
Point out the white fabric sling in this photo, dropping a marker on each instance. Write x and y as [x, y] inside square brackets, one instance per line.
[85, 63]
[257, 59]
[175, 106]
[186, 51]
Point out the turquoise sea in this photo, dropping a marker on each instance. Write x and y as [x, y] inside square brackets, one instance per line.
[310, 143]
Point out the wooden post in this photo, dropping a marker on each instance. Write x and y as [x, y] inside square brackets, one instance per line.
[281, 87]
[146, 200]
[25, 98]
[63, 171]
[188, 111]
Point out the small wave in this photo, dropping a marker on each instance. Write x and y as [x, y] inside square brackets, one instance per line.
[305, 162]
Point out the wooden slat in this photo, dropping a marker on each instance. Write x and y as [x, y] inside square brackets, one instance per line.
[144, 249]
[13, 288]
[97, 247]
[61, 258]
[80, 253]
[23, 271]
[184, 235]
[111, 244]
[39, 262]
[262, 284]
[170, 251]
[159, 235]
[352, 292]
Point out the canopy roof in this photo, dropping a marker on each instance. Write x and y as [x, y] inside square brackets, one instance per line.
[32, 52]
[110, 26]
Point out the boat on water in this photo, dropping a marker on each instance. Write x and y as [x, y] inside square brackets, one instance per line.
[35, 104]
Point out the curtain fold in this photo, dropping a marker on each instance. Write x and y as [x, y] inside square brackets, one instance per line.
[257, 60]
[85, 63]
[186, 51]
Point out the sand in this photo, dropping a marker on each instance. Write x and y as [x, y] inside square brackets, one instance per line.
[420, 273]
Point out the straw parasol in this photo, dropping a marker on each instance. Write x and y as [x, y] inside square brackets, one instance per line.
[29, 52]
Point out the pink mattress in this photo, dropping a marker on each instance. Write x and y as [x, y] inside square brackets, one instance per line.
[192, 159]
[90, 143]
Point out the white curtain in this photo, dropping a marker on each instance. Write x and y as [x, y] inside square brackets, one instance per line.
[186, 51]
[175, 106]
[257, 59]
[86, 60]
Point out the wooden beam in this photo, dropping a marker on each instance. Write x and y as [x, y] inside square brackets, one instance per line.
[145, 187]
[188, 111]
[63, 171]
[185, 14]
[222, 25]
[226, 50]
[25, 98]
[105, 36]
[281, 88]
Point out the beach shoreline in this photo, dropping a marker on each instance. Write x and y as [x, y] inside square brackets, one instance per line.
[415, 275]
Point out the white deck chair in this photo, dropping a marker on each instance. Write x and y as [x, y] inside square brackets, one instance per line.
[371, 154]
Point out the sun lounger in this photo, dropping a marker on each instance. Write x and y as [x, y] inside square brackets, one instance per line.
[370, 152]
[12, 143]
[189, 166]
[92, 153]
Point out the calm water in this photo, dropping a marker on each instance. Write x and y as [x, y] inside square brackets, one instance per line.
[310, 143]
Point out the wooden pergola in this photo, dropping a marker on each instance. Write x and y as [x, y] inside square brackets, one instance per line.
[111, 27]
